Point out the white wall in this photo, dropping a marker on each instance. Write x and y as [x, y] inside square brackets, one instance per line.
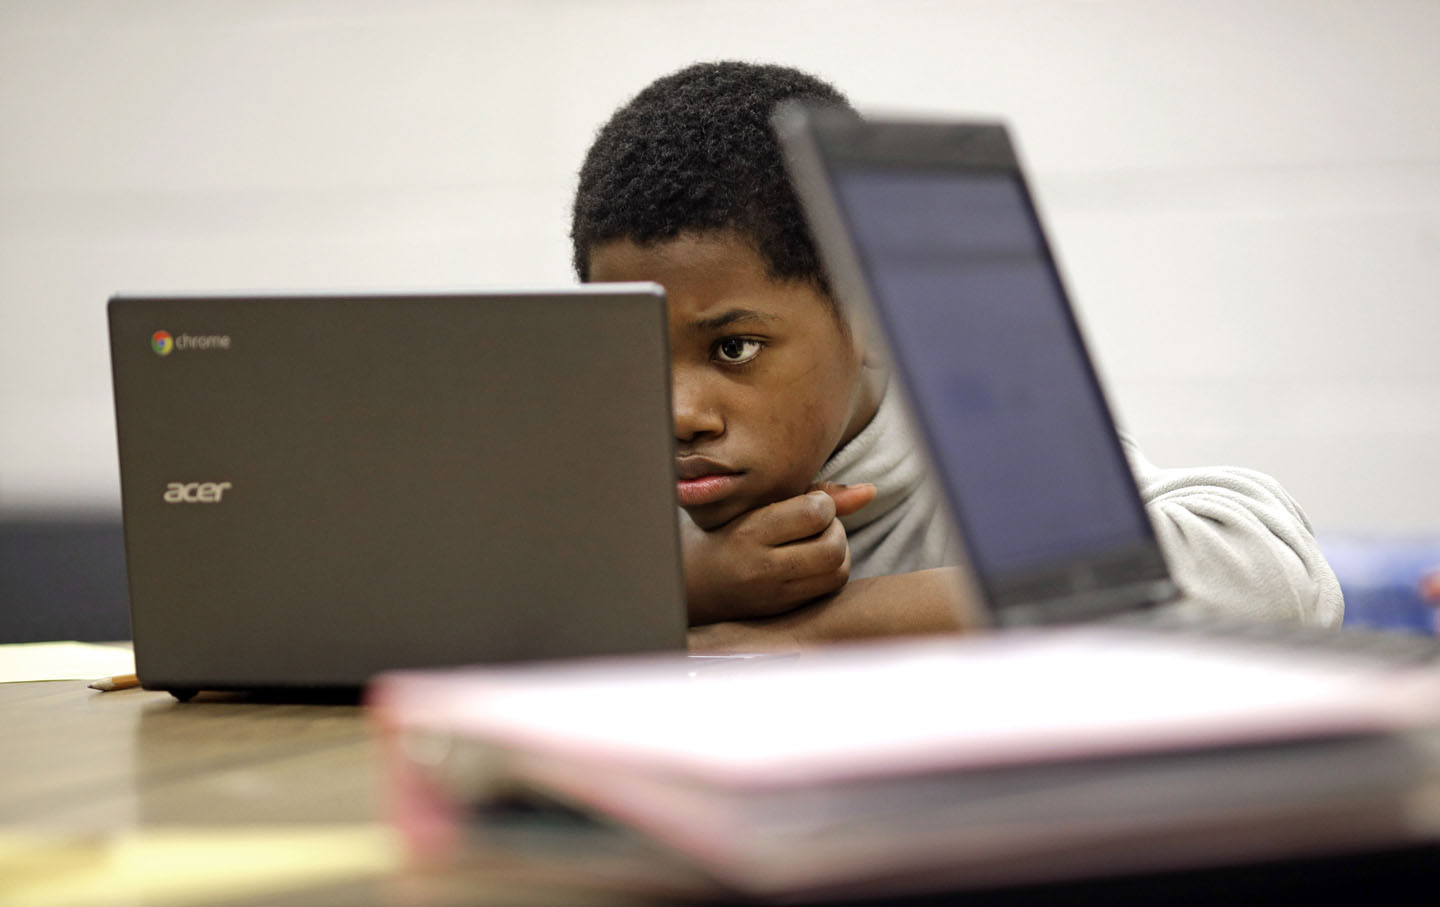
[1246, 195]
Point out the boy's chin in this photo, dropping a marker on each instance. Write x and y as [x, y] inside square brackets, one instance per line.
[710, 517]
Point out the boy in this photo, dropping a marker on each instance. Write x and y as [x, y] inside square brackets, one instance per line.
[795, 469]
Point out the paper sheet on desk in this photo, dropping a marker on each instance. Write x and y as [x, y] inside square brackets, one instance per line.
[29, 661]
[183, 867]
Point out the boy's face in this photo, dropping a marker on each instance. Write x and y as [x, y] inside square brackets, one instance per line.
[767, 381]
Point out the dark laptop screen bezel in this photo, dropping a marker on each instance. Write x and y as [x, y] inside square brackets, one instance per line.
[821, 144]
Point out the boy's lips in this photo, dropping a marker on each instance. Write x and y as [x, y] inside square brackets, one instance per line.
[700, 481]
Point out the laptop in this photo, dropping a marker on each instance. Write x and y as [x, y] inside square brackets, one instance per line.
[933, 241]
[317, 488]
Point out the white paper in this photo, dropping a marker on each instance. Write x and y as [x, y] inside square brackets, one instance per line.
[28, 661]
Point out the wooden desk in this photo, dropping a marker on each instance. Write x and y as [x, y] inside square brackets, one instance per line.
[79, 760]
[79, 768]
[95, 767]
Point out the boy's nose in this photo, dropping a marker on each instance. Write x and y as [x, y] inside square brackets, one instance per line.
[695, 416]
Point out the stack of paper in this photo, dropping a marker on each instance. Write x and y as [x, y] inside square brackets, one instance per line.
[910, 766]
[31, 661]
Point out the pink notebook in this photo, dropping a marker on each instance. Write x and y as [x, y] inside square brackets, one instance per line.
[914, 765]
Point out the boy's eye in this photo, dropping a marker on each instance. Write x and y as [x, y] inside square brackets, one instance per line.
[737, 350]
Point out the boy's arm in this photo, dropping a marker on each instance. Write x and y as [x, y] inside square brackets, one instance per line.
[905, 604]
[1238, 544]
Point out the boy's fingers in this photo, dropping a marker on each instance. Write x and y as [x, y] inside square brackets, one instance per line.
[811, 559]
[818, 584]
[792, 519]
[849, 498]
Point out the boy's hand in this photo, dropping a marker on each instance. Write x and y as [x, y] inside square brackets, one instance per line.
[773, 558]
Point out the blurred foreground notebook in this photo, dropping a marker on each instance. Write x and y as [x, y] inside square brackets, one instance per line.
[320, 487]
[908, 767]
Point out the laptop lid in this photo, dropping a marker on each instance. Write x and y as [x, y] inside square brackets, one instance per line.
[319, 487]
[932, 239]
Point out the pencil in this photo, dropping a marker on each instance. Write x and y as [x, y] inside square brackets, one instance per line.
[118, 682]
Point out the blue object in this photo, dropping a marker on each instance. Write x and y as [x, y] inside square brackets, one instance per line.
[1384, 579]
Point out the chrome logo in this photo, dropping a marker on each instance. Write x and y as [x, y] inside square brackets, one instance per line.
[162, 343]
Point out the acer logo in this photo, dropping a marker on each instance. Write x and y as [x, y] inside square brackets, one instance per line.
[195, 492]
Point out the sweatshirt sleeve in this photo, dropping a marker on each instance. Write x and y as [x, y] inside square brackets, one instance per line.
[1237, 543]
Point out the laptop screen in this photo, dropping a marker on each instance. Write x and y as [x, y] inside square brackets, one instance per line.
[994, 362]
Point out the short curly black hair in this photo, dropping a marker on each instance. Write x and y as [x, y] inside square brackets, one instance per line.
[694, 152]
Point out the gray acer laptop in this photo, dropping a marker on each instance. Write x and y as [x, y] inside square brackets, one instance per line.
[320, 487]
